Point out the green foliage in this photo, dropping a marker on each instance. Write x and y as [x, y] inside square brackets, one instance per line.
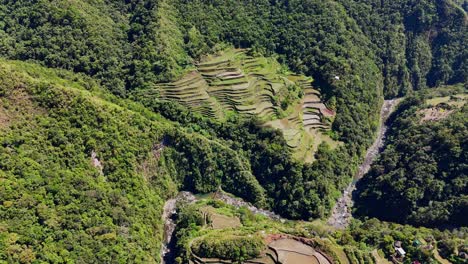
[420, 178]
[128, 45]
[311, 37]
[376, 234]
[55, 206]
[203, 166]
[51, 194]
[188, 216]
[292, 189]
[123, 44]
[419, 43]
[233, 248]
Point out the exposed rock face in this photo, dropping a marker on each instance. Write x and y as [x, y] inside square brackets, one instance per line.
[238, 203]
[96, 162]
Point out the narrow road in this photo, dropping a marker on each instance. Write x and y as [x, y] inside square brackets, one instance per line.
[341, 213]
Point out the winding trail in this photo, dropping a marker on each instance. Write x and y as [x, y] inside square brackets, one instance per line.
[341, 213]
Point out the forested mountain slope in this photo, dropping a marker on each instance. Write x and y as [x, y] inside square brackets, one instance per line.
[421, 178]
[420, 43]
[129, 45]
[123, 44]
[79, 164]
[87, 159]
[72, 186]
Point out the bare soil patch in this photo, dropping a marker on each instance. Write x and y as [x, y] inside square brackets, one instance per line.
[16, 105]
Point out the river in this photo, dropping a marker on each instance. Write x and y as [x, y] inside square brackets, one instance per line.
[170, 208]
[341, 213]
[168, 216]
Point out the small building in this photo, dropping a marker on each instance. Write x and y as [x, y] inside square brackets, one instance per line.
[400, 251]
[417, 243]
[337, 77]
[397, 244]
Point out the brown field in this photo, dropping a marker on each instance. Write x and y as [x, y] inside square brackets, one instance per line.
[219, 221]
[291, 251]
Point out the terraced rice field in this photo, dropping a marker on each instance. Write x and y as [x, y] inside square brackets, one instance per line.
[281, 251]
[305, 128]
[235, 81]
[291, 251]
[438, 109]
[219, 221]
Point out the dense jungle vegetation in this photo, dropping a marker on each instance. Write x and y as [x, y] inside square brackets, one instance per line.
[422, 43]
[56, 206]
[78, 164]
[69, 76]
[420, 178]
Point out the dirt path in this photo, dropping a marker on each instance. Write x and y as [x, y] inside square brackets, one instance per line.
[341, 214]
[439, 258]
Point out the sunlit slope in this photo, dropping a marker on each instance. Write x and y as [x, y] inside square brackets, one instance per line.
[54, 192]
[236, 81]
[79, 164]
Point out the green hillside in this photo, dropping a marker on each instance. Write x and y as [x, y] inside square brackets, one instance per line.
[79, 164]
[122, 44]
[420, 177]
[109, 108]
[234, 82]
[54, 192]
[419, 44]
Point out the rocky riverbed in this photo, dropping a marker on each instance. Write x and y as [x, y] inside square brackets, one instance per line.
[170, 209]
[341, 213]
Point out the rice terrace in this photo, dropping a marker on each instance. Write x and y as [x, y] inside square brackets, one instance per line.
[235, 81]
[234, 131]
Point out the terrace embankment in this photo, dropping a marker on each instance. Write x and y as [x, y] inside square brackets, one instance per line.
[235, 81]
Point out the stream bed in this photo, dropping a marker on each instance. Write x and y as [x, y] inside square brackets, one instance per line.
[341, 213]
[170, 209]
